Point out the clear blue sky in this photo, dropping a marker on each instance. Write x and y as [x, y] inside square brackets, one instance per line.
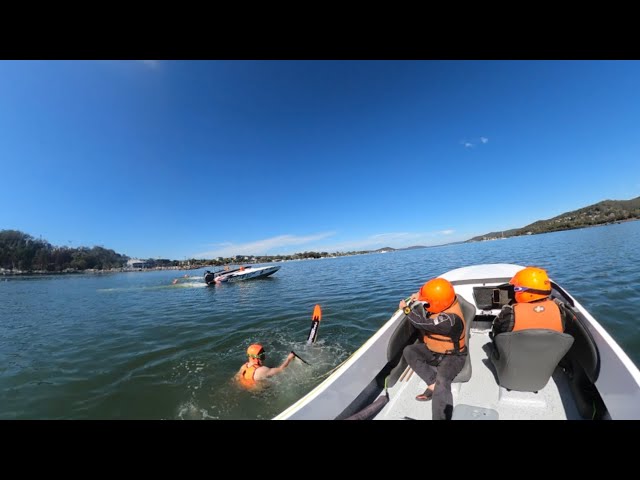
[178, 159]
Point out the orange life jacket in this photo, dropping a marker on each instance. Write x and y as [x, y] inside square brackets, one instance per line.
[247, 373]
[545, 314]
[445, 344]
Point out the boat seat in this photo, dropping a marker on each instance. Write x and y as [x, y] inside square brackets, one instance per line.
[469, 311]
[526, 359]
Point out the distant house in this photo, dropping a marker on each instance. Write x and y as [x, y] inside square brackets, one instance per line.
[136, 263]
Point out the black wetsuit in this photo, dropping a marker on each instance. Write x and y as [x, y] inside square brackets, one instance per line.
[439, 367]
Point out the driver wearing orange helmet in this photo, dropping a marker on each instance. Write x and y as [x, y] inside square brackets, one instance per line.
[532, 308]
[435, 311]
[253, 371]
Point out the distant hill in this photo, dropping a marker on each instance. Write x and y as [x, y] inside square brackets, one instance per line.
[601, 213]
[389, 249]
[415, 247]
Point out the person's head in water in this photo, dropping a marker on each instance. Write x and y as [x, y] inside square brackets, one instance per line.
[255, 370]
[256, 354]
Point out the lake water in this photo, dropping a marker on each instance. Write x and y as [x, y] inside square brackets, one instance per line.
[134, 346]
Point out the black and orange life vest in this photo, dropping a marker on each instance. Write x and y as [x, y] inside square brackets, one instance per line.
[247, 373]
[545, 314]
[448, 344]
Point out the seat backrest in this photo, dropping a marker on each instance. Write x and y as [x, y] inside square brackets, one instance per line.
[469, 311]
[526, 359]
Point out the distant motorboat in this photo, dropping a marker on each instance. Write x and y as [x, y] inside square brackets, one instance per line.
[239, 274]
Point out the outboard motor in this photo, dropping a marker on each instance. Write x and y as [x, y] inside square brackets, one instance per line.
[208, 277]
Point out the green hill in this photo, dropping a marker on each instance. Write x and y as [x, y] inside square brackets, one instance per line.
[601, 213]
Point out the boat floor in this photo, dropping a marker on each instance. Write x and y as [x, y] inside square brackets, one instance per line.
[481, 398]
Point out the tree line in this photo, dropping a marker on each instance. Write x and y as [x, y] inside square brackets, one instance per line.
[21, 251]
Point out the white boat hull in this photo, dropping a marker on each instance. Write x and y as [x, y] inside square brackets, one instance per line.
[240, 275]
[249, 273]
[352, 385]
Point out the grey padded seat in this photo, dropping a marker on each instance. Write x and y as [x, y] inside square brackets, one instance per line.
[469, 311]
[526, 359]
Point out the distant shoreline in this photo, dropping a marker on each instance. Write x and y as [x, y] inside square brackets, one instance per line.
[19, 273]
[488, 238]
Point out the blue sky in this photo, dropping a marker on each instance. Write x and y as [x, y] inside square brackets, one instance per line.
[178, 159]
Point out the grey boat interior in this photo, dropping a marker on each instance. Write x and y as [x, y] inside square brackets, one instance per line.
[525, 375]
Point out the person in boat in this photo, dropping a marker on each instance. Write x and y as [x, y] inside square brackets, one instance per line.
[435, 311]
[254, 371]
[531, 306]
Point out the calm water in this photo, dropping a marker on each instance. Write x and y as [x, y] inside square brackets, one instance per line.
[134, 346]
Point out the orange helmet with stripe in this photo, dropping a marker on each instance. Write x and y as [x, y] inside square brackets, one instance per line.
[256, 351]
[531, 284]
[438, 293]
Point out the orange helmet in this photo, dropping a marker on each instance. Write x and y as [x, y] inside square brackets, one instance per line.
[438, 293]
[531, 284]
[256, 351]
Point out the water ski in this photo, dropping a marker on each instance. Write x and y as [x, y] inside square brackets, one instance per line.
[315, 323]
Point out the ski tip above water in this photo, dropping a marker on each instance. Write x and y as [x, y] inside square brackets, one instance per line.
[315, 323]
[317, 313]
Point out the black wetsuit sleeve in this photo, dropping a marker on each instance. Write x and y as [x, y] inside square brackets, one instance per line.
[563, 313]
[504, 322]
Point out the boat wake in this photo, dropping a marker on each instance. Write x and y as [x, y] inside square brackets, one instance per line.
[189, 284]
[197, 284]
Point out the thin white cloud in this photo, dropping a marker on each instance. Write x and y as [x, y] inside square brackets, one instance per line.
[273, 246]
[471, 144]
[392, 236]
[393, 240]
[289, 244]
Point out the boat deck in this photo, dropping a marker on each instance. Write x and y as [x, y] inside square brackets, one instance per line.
[481, 398]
